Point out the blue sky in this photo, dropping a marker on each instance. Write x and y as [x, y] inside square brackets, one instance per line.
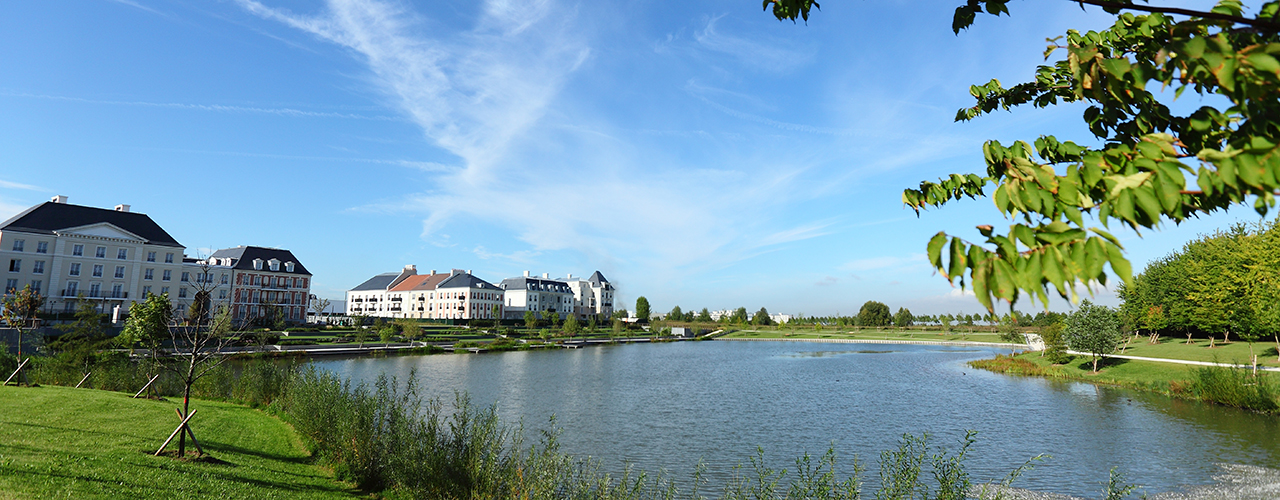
[699, 153]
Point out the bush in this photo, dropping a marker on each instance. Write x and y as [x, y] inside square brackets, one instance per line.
[1234, 387]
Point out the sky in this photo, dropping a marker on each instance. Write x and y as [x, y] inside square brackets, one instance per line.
[698, 153]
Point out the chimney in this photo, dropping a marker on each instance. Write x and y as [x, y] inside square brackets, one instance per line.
[468, 271]
[411, 269]
[433, 272]
[526, 274]
[570, 278]
[546, 276]
[59, 199]
[122, 208]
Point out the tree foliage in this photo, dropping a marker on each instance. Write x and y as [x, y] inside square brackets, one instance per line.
[903, 318]
[874, 313]
[20, 311]
[762, 318]
[1093, 329]
[642, 308]
[1219, 283]
[1153, 166]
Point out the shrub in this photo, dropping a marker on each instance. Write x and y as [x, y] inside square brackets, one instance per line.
[1234, 387]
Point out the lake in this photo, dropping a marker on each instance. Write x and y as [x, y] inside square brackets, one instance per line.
[667, 405]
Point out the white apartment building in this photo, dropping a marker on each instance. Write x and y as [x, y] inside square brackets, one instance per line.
[407, 294]
[113, 258]
[592, 296]
[541, 295]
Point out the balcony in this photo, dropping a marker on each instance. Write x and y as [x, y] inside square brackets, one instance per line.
[395, 299]
[357, 300]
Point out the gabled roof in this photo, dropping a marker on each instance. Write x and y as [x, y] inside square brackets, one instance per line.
[48, 217]
[242, 258]
[379, 282]
[420, 282]
[597, 278]
[464, 280]
[540, 284]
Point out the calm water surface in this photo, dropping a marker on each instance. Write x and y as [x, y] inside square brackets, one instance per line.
[664, 406]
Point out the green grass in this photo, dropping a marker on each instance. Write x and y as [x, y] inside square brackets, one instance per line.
[1236, 351]
[83, 443]
[865, 334]
[1167, 378]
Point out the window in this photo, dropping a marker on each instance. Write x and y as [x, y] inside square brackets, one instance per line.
[69, 306]
[77, 250]
[182, 293]
[10, 286]
[36, 284]
[146, 291]
[100, 253]
[95, 289]
[15, 265]
[288, 266]
[42, 247]
[123, 254]
[149, 274]
[275, 265]
[186, 276]
[38, 267]
[75, 269]
[119, 272]
[257, 280]
[168, 275]
[17, 245]
[73, 288]
[151, 256]
[117, 291]
[257, 264]
[164, 290]
[224, 279]
[222, 294]
[97, 270]
[168, 258]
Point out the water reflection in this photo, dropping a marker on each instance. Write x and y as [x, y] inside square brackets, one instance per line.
[669, 405]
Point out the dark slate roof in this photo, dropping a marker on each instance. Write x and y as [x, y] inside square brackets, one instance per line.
[48, 217]
[597, 278]
[242, 258]
[464, 280]
[379, 282]
[542, 285]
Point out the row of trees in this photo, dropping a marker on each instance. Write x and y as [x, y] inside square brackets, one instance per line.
[1220, 284]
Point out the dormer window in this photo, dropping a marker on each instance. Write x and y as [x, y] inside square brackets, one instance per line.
[288, 266]
[275, 264]
[257, 264]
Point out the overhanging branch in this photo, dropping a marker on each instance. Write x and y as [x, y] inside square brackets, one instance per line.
[1256, 23]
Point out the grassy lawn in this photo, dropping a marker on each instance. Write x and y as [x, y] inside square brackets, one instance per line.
[1174, 348]
[1146, 375]
[81, 443]
[866, 334]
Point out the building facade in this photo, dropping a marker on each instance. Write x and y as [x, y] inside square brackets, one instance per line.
[113, 258]
[266, 285]
[541, 295]
[454, 295]
[592, 296]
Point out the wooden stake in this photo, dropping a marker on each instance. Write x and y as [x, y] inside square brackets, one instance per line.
[15, 372]
[175, 432]
[189, 431]
[86, 377]
[153, 379]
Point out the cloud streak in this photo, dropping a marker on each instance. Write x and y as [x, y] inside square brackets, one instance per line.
[291, 112]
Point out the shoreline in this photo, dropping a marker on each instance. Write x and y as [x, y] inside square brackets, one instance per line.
[969, 343]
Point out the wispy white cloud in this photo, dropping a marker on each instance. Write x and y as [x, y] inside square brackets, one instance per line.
[16, 185]
[767, 54]
[137, 5]
[211, 107]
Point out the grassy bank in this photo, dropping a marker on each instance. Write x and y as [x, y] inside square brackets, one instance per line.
[1227, 386]
[80, 443]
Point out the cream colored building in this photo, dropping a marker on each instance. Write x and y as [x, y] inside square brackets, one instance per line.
[111, 257]
[592, 296]
[541, 295]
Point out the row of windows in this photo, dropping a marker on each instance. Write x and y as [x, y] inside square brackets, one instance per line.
[41, 246]
[278, 281]
[11, 285]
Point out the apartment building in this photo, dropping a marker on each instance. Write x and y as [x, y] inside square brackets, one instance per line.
[454, 295]
[541, 295]
[111, 257]
[265, 284]
[592, 296]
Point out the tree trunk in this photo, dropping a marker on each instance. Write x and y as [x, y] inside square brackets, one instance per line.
[1095, 364]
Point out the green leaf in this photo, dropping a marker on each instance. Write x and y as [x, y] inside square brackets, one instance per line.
[958, 260]
[1120, 265]
[935, 249]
